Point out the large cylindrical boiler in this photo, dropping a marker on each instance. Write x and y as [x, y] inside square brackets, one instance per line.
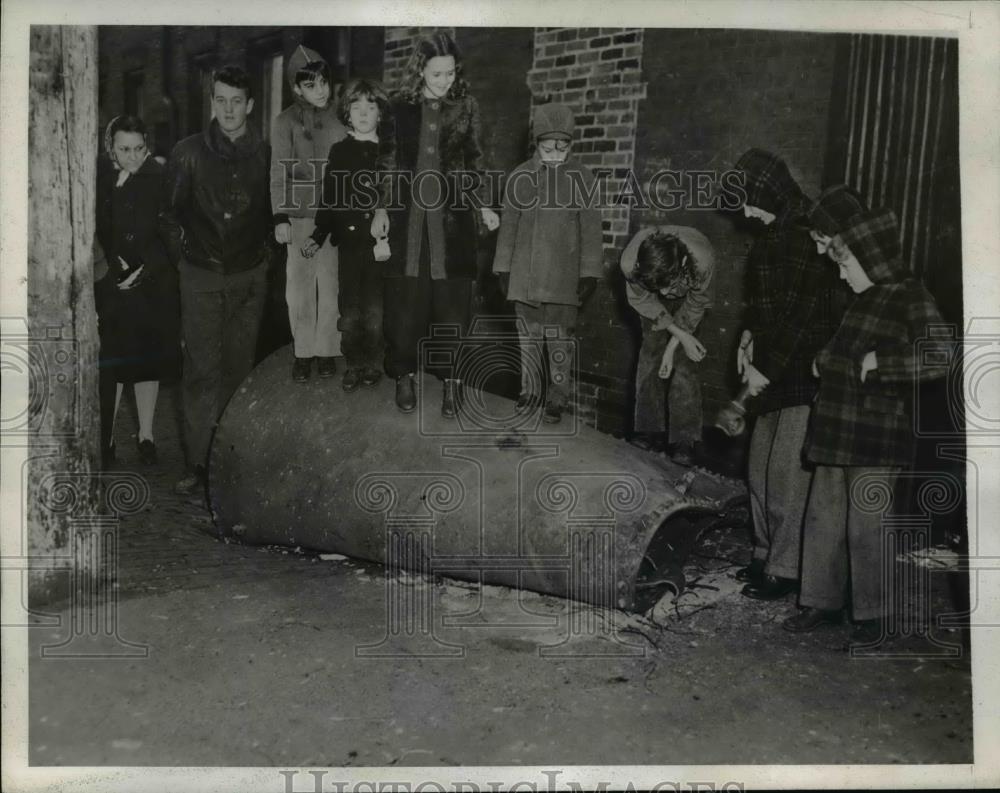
[495, 496]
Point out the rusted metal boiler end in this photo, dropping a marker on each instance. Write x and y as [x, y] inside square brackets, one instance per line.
[494, 496]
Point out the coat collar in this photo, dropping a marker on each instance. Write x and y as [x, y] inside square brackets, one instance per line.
[242, 148]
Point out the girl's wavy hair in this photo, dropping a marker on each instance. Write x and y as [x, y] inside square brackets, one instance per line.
[662, 260]
[439, 44]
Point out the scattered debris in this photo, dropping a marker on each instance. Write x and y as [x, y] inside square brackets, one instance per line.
[936, 558]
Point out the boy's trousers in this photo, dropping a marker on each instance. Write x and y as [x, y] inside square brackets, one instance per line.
[311, 294]
[220, 321]
[360, 302]
[779, 488]
[681, 393]
[554, 325]
[844, 542]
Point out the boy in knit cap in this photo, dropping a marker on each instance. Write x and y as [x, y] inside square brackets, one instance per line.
[549, 255]
[301, 137]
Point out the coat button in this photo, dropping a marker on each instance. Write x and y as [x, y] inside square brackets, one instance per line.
[432, 126]
[430, 149]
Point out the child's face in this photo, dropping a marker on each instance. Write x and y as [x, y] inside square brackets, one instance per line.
[762, 215]
[439, 74]
[553, 150]
[364, 115]
[851, 270]
[822, 241]
[315, 91]
[129, 149]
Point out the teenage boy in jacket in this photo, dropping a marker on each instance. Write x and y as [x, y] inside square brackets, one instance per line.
[795, 305]
[301, 137]
[549, 256]
[216, 218]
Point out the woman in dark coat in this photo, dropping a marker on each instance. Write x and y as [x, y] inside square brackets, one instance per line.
[137, 306]
[433, 242]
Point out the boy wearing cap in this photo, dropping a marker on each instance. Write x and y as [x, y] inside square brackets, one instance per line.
[301, 137]
[549, 255]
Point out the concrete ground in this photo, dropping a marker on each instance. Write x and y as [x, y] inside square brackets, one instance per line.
[269, 656]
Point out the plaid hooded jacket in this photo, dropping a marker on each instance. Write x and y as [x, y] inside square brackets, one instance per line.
[835, 209]
[795, 301]
[869, 424]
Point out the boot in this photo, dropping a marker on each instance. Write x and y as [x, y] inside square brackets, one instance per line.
[809, 619]
[451, 398]
[301, 369]
[326, 366]
[406, 395]
[351, 380]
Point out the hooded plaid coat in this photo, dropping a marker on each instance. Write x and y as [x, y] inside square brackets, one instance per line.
[834, 210]
[795, 300]
[870, 423]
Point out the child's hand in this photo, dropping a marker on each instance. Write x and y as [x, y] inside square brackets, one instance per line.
[815, 370]
[756, 381]
[868, 364]
[504, 279]
[380, 223]
[695, 349]
[133, 279]
[584, 289]
[667, 362]
[491, 219]
[283, 233]
[310, 248]
[744, 355]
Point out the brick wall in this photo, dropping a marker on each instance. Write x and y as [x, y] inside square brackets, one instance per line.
[598, 73]
[713, 94]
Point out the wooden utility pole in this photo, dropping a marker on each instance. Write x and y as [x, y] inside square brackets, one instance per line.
[62, 323]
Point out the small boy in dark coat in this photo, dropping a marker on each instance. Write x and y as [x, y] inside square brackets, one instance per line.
[350, 196]
[861, 430]
[549, 255]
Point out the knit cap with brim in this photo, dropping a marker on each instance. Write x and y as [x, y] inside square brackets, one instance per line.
[835, 209]
[873, 238]
[554, 121]
[298, 59]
